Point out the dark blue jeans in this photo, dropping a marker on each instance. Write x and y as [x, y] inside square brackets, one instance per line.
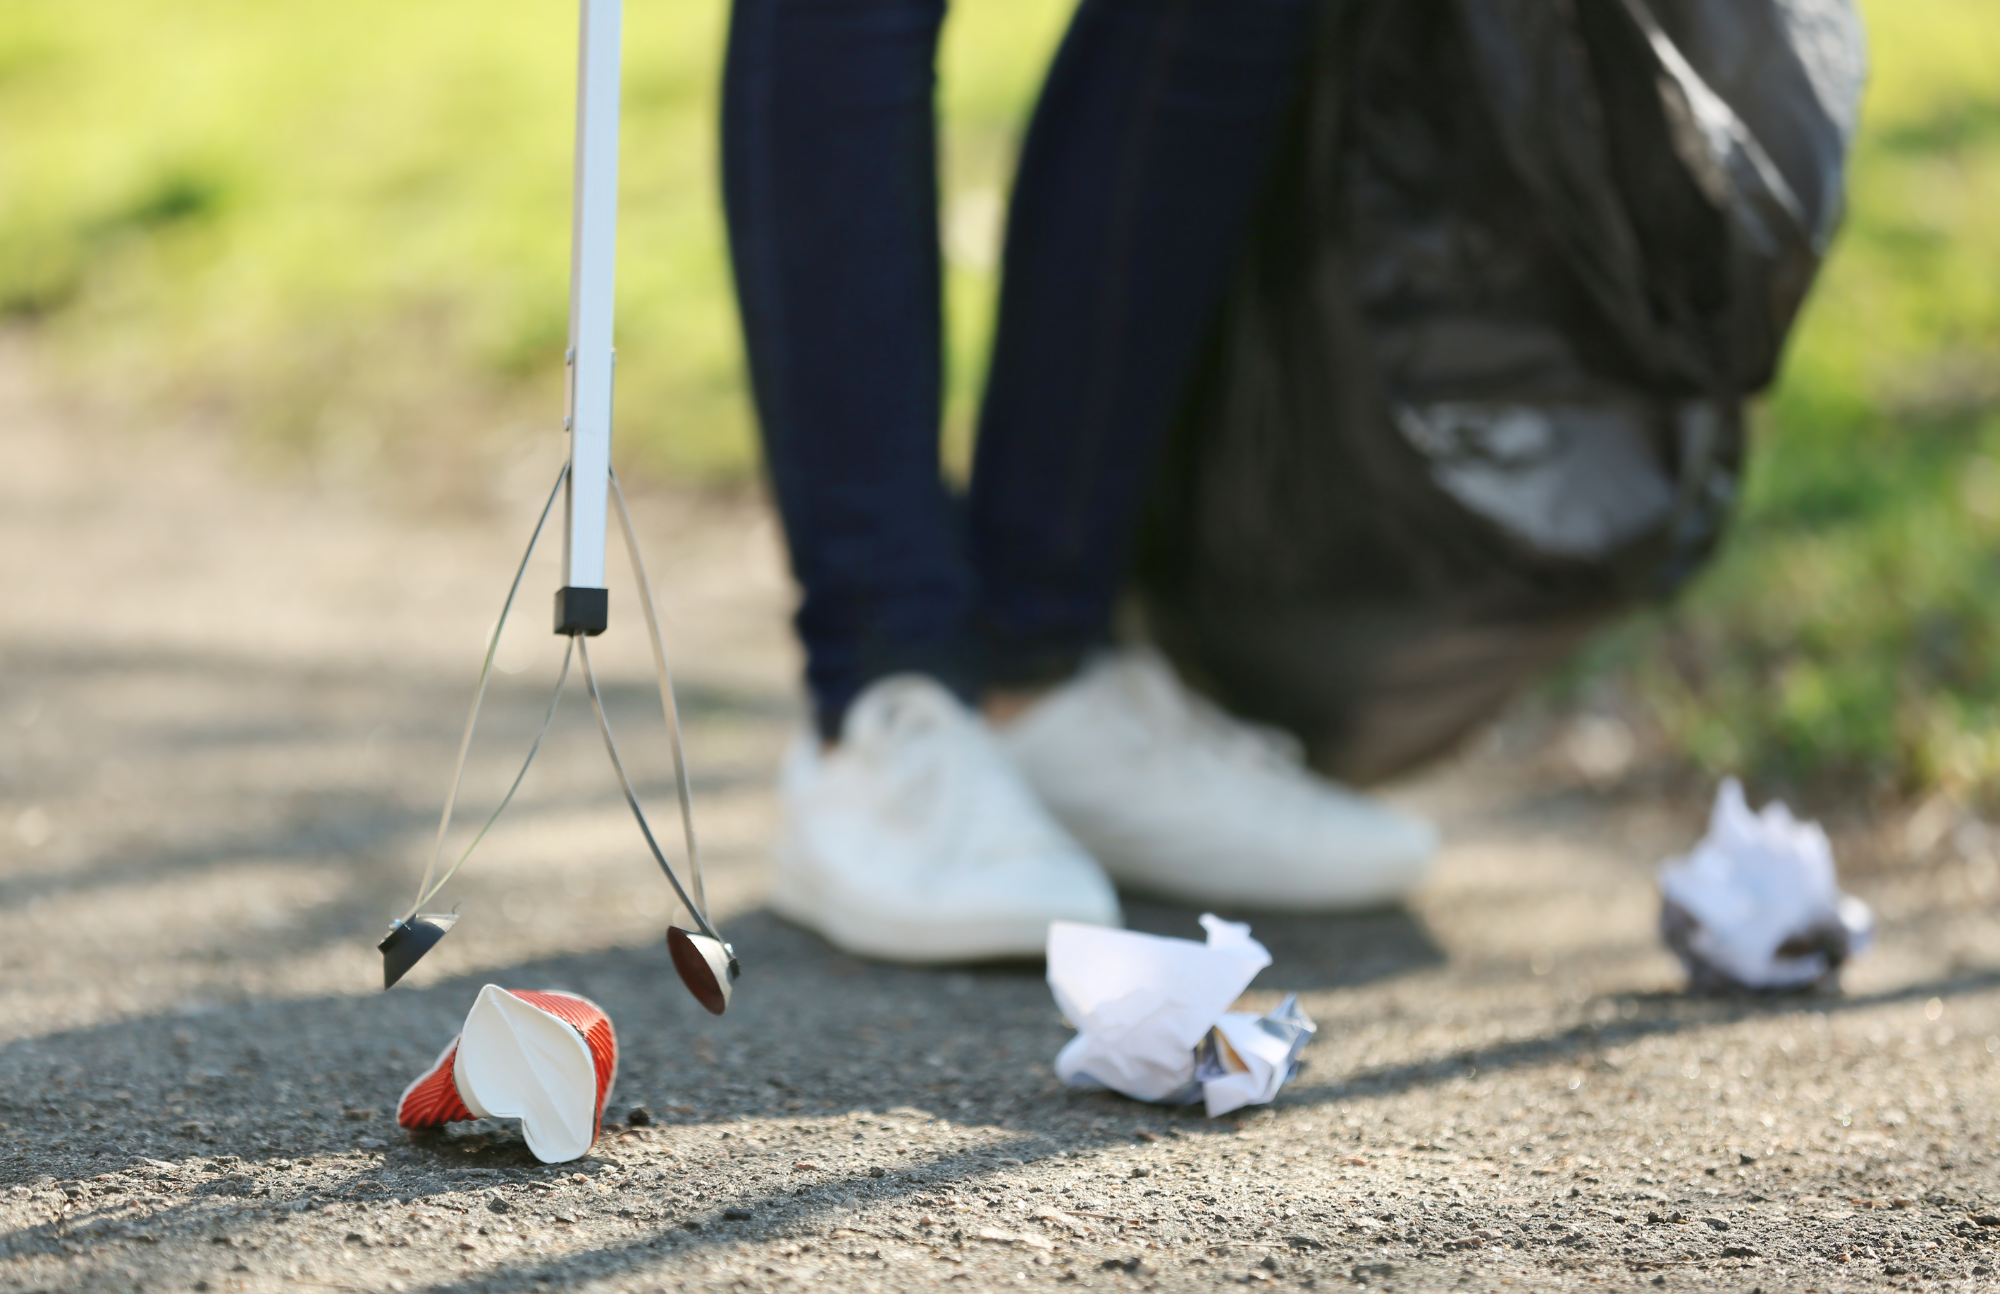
[1135, 185]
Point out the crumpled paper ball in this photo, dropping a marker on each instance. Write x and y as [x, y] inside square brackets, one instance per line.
[1246, 1058]
[1152, 1017]
[1756, 905]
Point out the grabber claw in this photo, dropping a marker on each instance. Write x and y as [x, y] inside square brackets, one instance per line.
[706, 965]
[409, 939]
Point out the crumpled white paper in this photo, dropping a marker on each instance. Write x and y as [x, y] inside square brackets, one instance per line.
[1149, 1010]
[1246, 1058]
[1756, 905]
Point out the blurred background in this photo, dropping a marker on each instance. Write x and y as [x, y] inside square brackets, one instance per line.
[282, 312]
[333, 239]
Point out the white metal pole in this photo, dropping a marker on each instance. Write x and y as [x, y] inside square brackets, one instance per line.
[581, 602]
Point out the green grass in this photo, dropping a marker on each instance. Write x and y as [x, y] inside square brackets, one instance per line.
[345, 226]
[1850, 634]
[342, 231]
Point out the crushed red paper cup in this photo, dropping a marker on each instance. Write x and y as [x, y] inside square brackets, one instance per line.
[546, 1058]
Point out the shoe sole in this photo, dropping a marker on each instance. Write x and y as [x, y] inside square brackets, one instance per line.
[1288, 904]
[929, 942]
[1388, 885]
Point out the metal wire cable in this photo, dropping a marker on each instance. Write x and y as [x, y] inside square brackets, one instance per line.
[667, 702]
[555, 700]
[632, 797]
[425, 890]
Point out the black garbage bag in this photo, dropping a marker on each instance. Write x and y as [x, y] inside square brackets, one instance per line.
[1478, 386]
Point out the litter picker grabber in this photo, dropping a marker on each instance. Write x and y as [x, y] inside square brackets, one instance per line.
[590, 492]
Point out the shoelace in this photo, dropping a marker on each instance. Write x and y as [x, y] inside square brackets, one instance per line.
[901, 713]
[919, 721]
[905, 727]
[1186, 714]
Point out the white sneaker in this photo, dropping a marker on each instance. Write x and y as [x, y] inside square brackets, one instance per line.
[1174, 796]
[915, 840]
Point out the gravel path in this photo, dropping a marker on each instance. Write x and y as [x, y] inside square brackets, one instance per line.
[226, 710]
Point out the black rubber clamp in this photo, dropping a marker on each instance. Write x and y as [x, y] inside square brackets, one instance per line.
[582, 611]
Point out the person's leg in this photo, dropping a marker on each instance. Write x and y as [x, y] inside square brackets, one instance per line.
[905, 833]
[1144, 160]
[829, 178]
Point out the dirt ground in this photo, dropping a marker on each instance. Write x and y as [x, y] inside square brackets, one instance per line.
[228, 705]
